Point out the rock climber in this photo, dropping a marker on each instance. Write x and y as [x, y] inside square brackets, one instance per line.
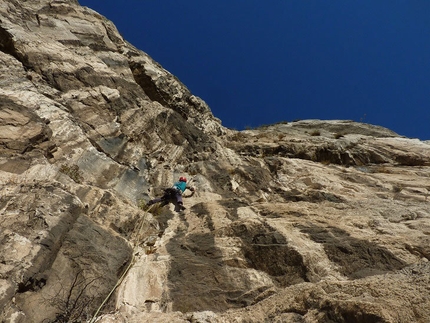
[174, 194]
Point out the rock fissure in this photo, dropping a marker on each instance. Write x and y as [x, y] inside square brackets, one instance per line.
[7, 43]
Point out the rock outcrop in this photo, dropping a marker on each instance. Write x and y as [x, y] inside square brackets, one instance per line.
[308, 221]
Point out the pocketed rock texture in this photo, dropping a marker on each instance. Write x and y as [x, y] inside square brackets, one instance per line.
[309, 221]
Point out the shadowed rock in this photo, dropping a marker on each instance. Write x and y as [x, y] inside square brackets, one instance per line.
[309, 221]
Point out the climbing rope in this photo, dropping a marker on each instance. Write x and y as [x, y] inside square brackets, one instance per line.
[133, 258]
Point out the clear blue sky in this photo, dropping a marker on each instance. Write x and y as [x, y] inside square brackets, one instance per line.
[258, 62]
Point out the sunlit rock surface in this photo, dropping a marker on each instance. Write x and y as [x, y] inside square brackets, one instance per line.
[308, 221]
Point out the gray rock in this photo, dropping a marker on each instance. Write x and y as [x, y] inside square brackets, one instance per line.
[309, 221]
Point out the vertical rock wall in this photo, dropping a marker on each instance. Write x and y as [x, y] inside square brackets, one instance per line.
[311, 221]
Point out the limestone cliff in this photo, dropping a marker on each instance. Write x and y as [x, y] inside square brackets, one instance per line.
[310, 221]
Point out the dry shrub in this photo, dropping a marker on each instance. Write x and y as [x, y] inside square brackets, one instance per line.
[315, 133]
[397, 188]
[382, 169]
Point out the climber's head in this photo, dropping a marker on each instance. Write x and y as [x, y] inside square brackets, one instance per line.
[182, 179]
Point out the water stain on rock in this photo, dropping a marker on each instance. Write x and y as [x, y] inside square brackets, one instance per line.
[356, 258]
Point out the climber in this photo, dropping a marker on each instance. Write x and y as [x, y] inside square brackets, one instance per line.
[174, 194]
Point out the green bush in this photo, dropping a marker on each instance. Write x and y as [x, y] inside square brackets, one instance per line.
[73, 172]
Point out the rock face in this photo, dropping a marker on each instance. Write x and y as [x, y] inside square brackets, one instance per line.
[310, 221]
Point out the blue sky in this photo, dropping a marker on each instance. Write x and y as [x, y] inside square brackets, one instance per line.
[258, 63]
